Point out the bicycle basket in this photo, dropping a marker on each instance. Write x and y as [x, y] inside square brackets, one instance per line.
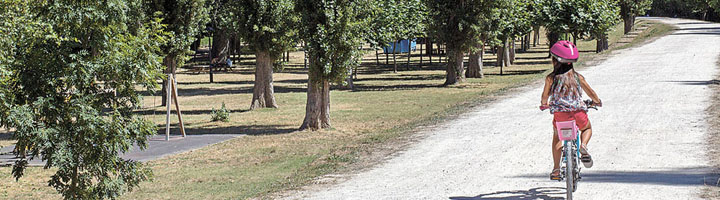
[566, 130]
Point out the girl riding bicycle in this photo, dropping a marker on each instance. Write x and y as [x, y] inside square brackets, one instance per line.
[563, 95]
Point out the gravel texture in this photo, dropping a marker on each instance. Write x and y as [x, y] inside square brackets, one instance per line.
[648, 140]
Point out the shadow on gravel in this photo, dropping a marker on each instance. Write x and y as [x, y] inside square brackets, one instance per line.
[684, 176]
[710, 82]
[535, 193]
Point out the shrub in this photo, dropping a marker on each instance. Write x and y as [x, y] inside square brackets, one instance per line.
[223, 114]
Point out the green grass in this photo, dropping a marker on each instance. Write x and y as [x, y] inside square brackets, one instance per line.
[274, 157]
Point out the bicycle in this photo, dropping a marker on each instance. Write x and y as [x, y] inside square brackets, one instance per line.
[569, 133]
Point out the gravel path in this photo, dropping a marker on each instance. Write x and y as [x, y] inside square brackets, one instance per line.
[648, 142]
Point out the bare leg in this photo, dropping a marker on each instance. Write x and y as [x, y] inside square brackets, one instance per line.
[586, 135]
[556, 146]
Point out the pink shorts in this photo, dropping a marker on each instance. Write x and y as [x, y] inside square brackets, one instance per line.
[580, 117]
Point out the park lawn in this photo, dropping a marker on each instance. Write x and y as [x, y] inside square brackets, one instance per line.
[273, 156]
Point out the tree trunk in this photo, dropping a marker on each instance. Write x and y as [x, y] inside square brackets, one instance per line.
[575, 36]
[317, 109]
[511, 57]
[552, 39]
[455, 68]
[263, 91]
[602, 44]
[170, 67]
[220, 50]
[429, 47]
[429, 50]
[527, 43]
[377, 58]
[409, 55]
[421, 56]
[394, 56]
[475, 64]
[629, 23]
[536, 37]
[506, 54]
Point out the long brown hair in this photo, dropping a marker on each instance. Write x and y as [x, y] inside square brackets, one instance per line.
[561, 68]
[570, 83]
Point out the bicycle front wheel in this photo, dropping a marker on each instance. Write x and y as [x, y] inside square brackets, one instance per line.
[569, 172]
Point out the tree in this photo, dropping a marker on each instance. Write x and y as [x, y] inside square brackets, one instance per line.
[268, 28]
[221, 26]
[603, 17]
[183, 19]
[397, 20]
[332, 30]
[629, 9]
[457, 24]
[68, 77]
[510, 21]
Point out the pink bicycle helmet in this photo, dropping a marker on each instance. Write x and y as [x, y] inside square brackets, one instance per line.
[565, 51]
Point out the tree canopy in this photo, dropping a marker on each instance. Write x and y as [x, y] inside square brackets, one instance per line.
[68, 77]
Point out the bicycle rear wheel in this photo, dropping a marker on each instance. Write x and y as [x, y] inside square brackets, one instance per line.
[569, 170]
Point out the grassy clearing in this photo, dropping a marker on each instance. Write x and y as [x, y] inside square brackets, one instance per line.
[274, 156]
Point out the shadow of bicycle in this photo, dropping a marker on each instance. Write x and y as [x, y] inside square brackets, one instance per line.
[535, 193]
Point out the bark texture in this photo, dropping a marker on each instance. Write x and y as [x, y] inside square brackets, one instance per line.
[475, 64]
[629, 22]
[263, 91]
[170, 66]
[455, 68]
[511, 52]
[536, 36]
[317, 109]
[602, 44]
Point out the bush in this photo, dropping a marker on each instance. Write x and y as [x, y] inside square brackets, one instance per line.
[223, 114]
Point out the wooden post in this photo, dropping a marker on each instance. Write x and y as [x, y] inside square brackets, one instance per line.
[177, 106]
[167, 103]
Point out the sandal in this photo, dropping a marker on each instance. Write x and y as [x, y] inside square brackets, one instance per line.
[585, 157]
[556, 175]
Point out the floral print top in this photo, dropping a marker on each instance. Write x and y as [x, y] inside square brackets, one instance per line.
[566, 93]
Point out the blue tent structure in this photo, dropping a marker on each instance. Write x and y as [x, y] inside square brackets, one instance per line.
[402, 46]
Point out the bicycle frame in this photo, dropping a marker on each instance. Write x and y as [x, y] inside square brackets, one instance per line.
[572, 165]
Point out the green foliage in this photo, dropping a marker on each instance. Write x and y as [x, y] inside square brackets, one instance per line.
[602, 18]
[68, 77]
[459, 24]
[333, 31]
[223, 114]
[685, 8]
[580, 17]
[183, 20]
[511, 19]
[392, 20]
[632, 8]
[266, 25]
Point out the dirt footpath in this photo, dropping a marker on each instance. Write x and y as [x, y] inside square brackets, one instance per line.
[648, 143]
